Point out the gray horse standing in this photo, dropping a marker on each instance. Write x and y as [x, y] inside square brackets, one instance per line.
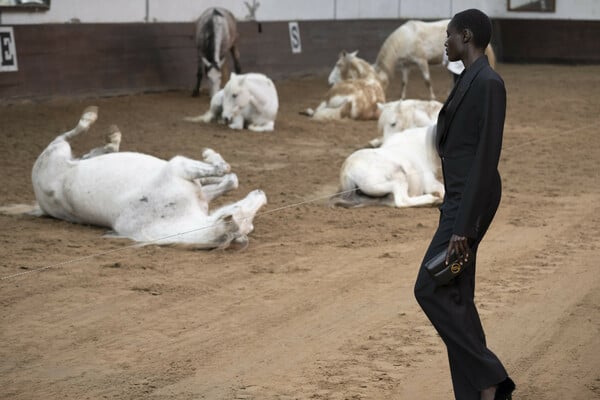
[216, 33]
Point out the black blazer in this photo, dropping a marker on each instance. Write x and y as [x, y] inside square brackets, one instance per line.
[469, 140]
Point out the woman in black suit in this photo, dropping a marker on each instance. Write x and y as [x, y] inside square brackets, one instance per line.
[469, 140]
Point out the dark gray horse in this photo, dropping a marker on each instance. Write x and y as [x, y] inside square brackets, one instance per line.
[216, 33]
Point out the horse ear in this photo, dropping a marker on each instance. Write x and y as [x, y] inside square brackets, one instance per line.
[343, 53]
[353, 54]
[232, 75]
[380, 106]
[206, 62]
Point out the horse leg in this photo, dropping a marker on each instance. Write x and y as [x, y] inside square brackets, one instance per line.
[404, 71]
[237, 122]
[212, 157]
[235, 54]
[213, 187]
[265, 127]
[424, 68]
[196, 91]
[89, 116]
[189, 169]
[402, 198]
[433, 186]
[113, 142]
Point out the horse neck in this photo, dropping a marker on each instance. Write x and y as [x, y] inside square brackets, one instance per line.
[385, 63]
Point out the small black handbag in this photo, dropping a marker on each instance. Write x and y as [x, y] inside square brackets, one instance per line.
[443, 273]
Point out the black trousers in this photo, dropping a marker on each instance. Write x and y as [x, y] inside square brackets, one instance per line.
[451, 310]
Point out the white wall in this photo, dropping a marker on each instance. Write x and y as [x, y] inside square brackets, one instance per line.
[110, 11]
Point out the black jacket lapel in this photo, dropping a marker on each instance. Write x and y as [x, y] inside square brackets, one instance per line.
[455, 98]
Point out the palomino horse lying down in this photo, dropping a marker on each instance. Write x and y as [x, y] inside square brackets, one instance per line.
[142, 197]
[354, 94]
[400, 173]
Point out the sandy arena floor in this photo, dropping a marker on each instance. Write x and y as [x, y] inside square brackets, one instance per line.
[320, 304]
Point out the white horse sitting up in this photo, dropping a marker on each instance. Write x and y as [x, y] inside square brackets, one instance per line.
[415, 43]
[397, 116]
[355, 92]
[141, 197]
[247, 101]
[400, 173]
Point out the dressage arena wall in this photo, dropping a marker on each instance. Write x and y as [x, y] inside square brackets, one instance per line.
[106, 59]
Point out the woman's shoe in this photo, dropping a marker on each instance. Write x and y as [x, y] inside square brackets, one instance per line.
[505, 389]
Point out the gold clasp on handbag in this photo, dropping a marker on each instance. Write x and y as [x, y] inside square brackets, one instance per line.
[455, 268]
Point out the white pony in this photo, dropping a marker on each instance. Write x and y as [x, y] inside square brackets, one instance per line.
[250, 100]
[355, 92]
[400, 173]
[141, 197]
[216, 34]
[415, 43]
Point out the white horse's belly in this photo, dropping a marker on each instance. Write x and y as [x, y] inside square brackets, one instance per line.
[97, 190]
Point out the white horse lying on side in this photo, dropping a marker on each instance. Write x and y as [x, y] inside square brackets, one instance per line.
[400, 173]
[141, 197]
[400, 115]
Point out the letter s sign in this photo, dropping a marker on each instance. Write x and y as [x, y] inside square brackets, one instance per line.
[295, 38]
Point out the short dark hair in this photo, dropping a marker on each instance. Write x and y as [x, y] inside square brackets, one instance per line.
[477, 22]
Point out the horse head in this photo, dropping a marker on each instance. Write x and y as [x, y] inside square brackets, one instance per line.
[213, 72]
[350, 66]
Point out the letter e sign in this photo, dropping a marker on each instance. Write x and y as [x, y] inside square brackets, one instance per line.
[8, 50]
[295, 37]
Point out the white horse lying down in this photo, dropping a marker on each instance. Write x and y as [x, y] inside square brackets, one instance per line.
[247, 100]
[397, 116]
[142, 197]
[400, 173]
[250, 99]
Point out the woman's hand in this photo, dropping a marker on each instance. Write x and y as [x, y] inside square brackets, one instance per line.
[458, 245]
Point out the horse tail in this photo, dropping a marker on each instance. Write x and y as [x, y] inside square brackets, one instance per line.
[489, 52]
[347, 192]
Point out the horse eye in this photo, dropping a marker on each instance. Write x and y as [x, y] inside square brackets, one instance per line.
[393, 124]
[234, 95]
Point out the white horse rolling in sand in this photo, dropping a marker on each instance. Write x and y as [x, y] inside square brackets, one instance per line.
[142, 197]
[216, 34]
[400, 173]
[355, 92]
[415, 43]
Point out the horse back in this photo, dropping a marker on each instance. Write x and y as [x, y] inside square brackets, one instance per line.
[206, 27]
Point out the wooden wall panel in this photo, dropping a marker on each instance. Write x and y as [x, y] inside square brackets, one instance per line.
[104, 59]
